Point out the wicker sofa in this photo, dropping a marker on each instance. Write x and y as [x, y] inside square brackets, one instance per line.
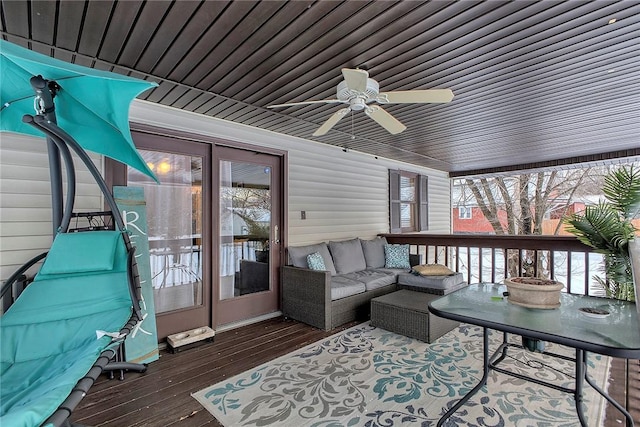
[354, 273]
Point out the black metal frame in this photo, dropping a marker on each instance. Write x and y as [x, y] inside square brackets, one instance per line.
[581, 375]
[112, 359]
[491, 362]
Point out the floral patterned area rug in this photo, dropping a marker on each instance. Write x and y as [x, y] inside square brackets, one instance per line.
[366, 376]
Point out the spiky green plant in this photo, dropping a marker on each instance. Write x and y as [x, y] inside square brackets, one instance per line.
[607, 228]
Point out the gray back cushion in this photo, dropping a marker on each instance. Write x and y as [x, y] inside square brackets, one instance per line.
[374, 252]
[298, 255]
[347, 256]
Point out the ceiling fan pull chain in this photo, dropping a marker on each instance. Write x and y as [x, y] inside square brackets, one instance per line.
[353, 133]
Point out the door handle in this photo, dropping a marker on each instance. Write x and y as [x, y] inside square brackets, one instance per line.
[276, 235]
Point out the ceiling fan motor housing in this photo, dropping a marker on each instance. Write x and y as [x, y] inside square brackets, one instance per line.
[344, 94]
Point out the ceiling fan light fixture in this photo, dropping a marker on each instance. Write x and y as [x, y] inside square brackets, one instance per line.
[357, 104]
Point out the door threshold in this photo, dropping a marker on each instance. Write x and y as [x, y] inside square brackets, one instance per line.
[246, 322]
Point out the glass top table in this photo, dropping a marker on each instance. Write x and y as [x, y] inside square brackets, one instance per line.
[616, 334]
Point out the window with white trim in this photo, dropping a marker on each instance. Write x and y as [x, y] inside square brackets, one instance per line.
[465, 212]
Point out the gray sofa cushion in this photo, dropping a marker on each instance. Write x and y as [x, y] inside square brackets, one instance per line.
[347, 256]
[395, 271]
[342, 287]
[374, 252]
[298, 255]
[432, 282]
[373, 279]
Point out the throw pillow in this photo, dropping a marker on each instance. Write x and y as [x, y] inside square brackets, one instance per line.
[89, 251]
[298, 256]
[396, 256]
[316, 262]
[433, 270]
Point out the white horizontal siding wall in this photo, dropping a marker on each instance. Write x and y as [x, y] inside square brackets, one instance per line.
[344, 195]
[25, 199]
[440, 204]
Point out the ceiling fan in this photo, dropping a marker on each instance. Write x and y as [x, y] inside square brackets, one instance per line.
[358, 91]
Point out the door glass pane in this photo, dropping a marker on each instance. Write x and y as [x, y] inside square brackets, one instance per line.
[245, 227]
[174, 215]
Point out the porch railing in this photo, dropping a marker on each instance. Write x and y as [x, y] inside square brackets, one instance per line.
[491, 258]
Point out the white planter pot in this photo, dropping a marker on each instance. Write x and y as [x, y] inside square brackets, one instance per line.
[540, 294]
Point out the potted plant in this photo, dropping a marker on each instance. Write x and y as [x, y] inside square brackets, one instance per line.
[534, 292]
[607, 228]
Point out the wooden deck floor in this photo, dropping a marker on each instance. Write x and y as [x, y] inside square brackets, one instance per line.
[162, 396]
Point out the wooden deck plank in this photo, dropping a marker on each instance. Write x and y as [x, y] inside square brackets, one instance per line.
[163, 403]
[162, 396]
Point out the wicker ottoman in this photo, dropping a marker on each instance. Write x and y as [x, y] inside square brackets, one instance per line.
[407, 313]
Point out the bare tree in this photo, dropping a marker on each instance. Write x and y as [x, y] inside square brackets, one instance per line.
[518, 205]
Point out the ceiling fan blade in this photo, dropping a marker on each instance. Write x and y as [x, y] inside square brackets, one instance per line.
[335, 118]
[416, 96]
[385, 119]
[356, 79]
[324, 101]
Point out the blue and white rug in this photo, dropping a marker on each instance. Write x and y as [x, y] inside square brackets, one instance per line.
[367, 376]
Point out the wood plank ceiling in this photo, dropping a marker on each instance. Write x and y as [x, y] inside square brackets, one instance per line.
[536, 83]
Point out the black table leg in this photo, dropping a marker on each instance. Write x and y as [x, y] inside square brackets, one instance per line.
[580, 375]
[604, 394]
[483, 381]
[501, 352]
